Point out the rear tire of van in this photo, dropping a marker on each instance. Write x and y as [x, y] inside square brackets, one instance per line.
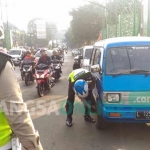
[100, 122]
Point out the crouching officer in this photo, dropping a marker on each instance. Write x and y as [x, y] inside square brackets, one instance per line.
[81, 83]
[14, 116]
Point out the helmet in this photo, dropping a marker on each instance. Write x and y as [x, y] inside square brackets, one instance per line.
[55, 52]
[28, 52]
[81, 88]
[43, 52]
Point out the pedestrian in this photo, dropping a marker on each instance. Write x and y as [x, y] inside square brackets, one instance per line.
[81, 83]
[15, 121]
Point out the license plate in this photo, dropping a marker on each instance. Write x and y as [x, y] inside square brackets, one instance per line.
[143, 115]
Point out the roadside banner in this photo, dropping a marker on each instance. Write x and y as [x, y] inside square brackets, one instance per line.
[41, 29]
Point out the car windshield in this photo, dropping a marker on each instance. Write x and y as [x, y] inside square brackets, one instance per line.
[14, 52]
[126, 60]
[88, 53]
[38, 54]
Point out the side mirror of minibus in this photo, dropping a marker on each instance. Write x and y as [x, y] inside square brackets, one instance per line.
[95, 68]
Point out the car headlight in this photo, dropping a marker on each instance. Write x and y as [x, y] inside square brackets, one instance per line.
[113, 98]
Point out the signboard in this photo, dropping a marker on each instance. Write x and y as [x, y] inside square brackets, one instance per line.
[1, 30]
[41, 29]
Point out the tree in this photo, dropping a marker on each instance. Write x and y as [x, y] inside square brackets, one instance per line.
[85, 25]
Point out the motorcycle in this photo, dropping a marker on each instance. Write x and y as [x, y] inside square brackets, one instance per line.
[42, 78]
[56, 67]
[62, 59]
[27, 72]
[21, 70]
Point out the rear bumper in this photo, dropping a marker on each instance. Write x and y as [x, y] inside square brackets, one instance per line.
[127, 114]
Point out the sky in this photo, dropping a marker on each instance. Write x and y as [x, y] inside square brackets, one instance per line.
[21, 11]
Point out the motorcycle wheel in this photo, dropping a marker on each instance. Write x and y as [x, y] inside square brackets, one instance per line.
[27, 80]
[40, 90]
[23, 78]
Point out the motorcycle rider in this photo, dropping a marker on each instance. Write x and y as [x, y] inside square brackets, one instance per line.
[28, 55]
[45, 59]
[16, 120]
[78, 84]
[55, 56]
[30, 58]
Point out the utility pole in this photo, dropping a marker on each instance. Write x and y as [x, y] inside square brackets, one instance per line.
[141, 21]
[7, 15]
[1, 9]
[134, 18]
[148, 21]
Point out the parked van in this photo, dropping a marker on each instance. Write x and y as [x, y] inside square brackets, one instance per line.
[122, 68]
[84, 57]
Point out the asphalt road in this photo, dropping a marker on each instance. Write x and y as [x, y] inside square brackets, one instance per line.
[55, 135]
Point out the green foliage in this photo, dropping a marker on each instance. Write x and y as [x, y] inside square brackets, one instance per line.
[85, 25]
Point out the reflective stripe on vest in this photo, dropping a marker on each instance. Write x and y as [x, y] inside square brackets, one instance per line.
[5, 130]
[74, 75]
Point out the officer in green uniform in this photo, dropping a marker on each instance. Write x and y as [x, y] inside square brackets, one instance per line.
[83, 76]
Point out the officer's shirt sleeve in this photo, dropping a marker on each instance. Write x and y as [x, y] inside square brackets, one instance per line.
[16, 110]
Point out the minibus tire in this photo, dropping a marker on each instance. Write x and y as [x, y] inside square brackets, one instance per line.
[100, 122]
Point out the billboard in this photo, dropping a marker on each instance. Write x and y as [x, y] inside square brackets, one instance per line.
[41, 29]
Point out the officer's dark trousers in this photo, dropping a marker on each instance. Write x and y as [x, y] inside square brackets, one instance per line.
[70, 101]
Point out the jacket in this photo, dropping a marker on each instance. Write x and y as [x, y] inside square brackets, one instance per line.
[56, 57]
[82, 74]
[44, 60]
[19, 118]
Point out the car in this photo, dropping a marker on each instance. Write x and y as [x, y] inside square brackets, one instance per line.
[16, 55]
[38, 55]
[75, 52]
[86, 53]
[84, 58]
[121, 68]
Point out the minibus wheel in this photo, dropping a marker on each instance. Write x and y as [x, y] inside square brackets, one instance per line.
[100, 122]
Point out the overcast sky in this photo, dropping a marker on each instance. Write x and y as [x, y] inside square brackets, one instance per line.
[57, 11]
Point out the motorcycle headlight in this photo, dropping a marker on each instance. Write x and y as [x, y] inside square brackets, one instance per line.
[113, 98]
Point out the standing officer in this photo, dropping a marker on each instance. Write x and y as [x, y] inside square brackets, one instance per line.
[15, 120]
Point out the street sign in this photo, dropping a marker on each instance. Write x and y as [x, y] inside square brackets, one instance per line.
[41, 29]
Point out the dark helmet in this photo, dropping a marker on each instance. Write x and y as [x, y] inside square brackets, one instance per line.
[43, 50]
[28, 52]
